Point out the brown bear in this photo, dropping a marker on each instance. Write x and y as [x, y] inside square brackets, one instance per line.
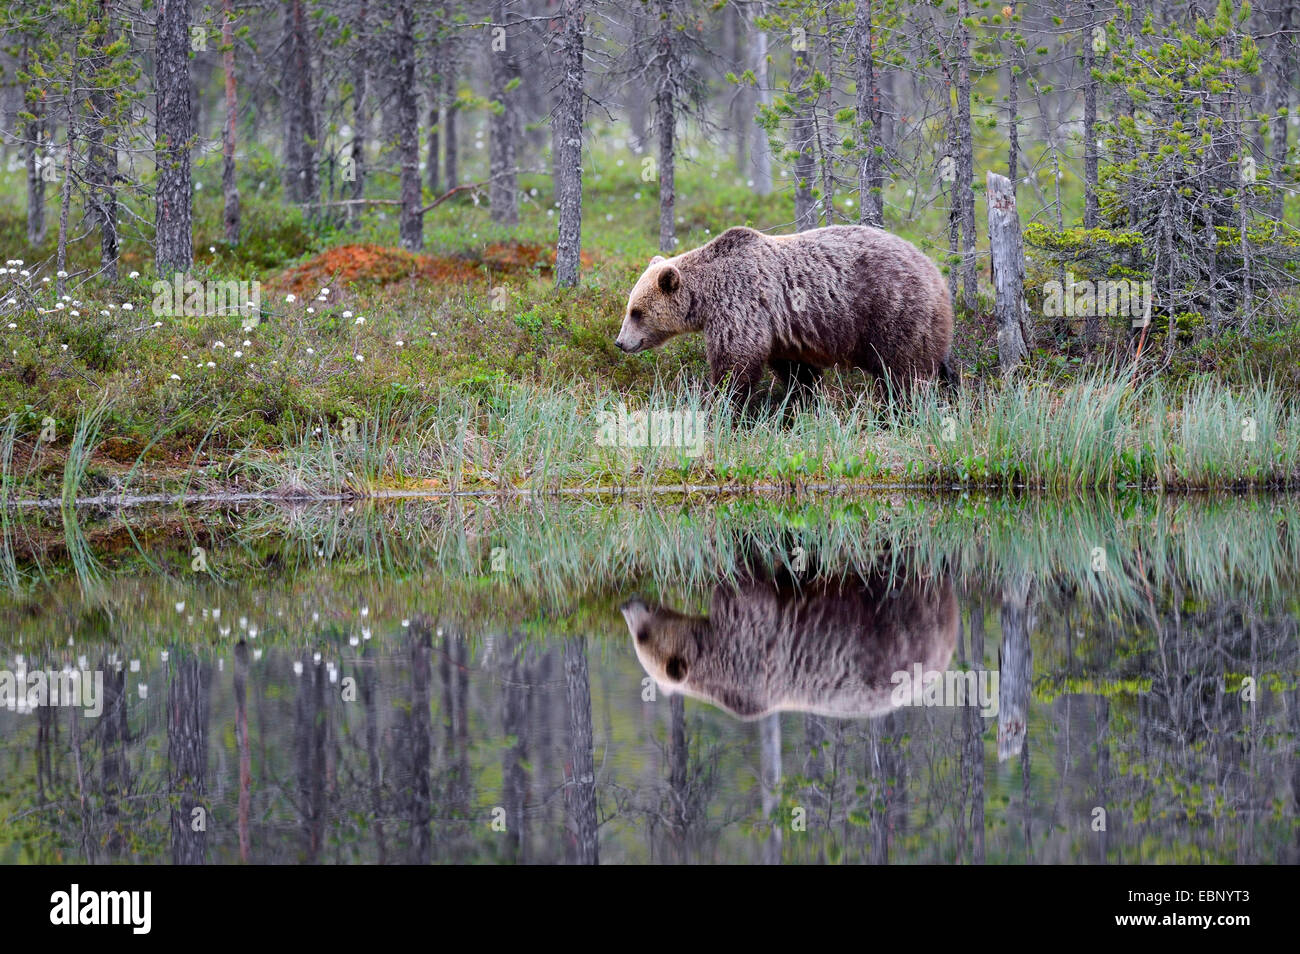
[771, 645]
[845, 294]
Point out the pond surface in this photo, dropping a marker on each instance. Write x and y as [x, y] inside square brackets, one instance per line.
[880, 681]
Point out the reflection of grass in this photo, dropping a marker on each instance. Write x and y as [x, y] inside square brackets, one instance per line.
[1116, 553]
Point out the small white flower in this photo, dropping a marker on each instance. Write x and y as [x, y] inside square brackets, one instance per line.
[134, 275]
[46, 278]
[12, 325]
[399, 342]
[74, 313]
[175, 377]
[60, 274]
[347, 314]
[360, 358]
[219, 344]
[311, 350]
[324, 291]
[359, 321]
[212, 364]
[247, 342]
[290, 298]
[58, 305]
[212, 248]
[127, 306]
[64, 347]
[104, 312]
[311, 310]
[239, 354]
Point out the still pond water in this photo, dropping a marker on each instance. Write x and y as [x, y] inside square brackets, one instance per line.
[469, 681]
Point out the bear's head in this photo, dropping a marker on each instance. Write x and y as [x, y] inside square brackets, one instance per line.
[658, 308]
[663, 642]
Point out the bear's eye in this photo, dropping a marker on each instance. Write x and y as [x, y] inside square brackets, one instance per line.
[635, 314]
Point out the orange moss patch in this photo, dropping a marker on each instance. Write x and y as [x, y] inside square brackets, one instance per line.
[381, 265]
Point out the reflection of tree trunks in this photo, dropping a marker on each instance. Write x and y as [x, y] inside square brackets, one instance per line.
[972, 750]
[374, 767]
[245, 755]
[514, 774]
[888, 790]
[454, 672]
[1103, 774]
[419, 737]
[114, 770]
[310, 731]
[678, 763]
[580, 792]
[769, 753]
[187, 754]
[1015, 664]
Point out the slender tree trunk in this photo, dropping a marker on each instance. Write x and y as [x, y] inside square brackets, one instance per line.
[433, 161]
[451, 114]
[411, 226]
[174, 202]
[65, 204]
[802, 135]
[569, 130]
[299, 107]
[1089, 122]
[102, 156]
[1013, 112]
[360, 102]
[963, 188]
[870, 178]
[33, 134]
[503, 195]
[666, 128]
[762, 149]
[229, 185]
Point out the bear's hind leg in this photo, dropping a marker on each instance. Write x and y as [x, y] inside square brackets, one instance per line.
[797, 376]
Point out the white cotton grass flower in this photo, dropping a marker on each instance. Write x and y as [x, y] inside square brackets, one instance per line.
[399, 342]
[311, 310]
[360, 358]
[359, 321]
[134, 275]
[239, 354]
[290, 297]
[127, 306]
[347, 314]
[212, 249]
[218, 344]
[59, 305]
[247, 342]
[324, 291]
[212, 364]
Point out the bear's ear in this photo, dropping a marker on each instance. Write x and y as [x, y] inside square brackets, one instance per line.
[657, 259]
[670, 279]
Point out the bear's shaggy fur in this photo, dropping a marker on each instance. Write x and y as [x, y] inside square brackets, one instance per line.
[769, 645]
[845, 294]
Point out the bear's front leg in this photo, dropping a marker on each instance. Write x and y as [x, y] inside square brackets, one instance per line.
[736, 366]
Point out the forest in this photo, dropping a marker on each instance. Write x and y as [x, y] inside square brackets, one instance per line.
[337, 247]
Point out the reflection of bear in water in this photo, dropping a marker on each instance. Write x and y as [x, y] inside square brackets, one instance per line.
[825, 648]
